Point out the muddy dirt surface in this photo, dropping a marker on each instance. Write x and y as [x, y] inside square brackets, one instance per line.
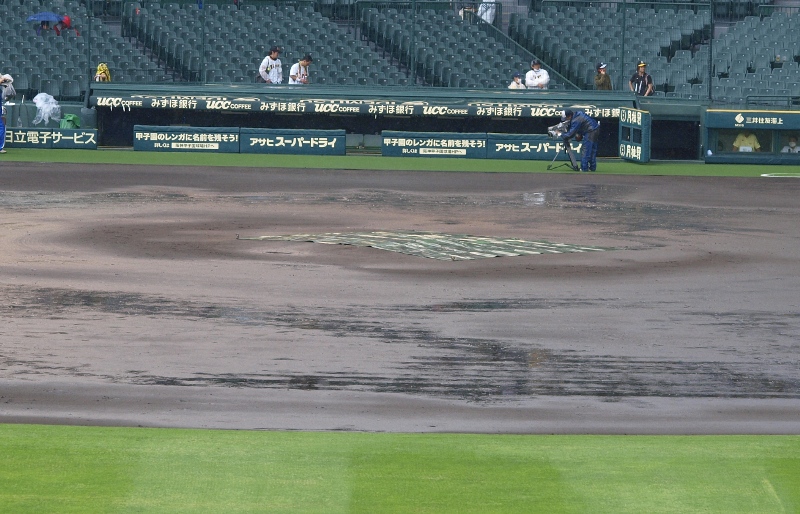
[127, 299]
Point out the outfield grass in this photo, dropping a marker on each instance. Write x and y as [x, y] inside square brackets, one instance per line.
[93, 469]
[376, 162]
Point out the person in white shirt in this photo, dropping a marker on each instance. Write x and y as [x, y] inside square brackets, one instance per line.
[537, 78]
[299, 72]
[486, 11]
[792, 146]
[516, 82]
[271, 69]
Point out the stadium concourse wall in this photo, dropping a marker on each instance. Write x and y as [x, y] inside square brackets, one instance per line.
[364, 111]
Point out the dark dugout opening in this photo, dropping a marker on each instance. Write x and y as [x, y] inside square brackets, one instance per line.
[675, 140]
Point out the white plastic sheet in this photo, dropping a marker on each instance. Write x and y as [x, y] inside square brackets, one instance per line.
[47, 108]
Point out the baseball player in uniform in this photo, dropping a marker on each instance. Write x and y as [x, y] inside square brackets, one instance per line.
[299, 72]
[271, 69]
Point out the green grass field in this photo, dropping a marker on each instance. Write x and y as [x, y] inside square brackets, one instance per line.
[92, 469]
[376, 162]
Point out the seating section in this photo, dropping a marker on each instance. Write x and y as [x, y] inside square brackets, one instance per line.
[445, 50]
[754, 61]
[62, 66]
[737, 9]
[758, 57]
[221, 43]
[573, 40]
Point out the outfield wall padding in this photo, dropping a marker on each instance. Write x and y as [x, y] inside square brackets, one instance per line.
[529, 147]
[238, 140]
[292, 141]
[634, 135]
[433, 144]
[46, 138]
[473, 145]
[185, 139]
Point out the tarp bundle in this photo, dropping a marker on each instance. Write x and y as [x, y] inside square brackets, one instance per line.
[47, 108]
[456, 247]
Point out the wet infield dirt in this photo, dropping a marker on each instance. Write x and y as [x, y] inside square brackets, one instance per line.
[127, 299]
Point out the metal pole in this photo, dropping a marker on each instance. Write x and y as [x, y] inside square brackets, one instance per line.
[202, 73]
[623, 61]
[711, 51]
[413, 47]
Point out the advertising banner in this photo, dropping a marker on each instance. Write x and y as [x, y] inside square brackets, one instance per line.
[433, 144]
[634, 135]
[292, 141]
[185, 139]
[461, 107]
[774, 120]
[51, 138]
[527, 147]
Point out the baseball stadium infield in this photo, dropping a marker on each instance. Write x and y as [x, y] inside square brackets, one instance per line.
[424, 338]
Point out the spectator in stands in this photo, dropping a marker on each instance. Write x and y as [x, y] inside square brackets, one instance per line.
[537, 78]
[271, 69]
[583, 127]
[299, 72]
[516, 82]
[746, 141]
[486, 11]
[791, 147]
[602, 82]
[103, 74]
[64, 24]
[641, 83]
[44, 25]
[5, 82]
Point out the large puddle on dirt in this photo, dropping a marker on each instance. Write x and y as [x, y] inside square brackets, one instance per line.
[432, 364]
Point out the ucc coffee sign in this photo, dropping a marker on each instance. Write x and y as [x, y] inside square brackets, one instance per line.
[457, 108]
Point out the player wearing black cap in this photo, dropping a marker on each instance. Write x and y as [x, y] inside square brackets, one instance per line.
[641, 83]
[271, 69]
[583, 127]
[537, 78]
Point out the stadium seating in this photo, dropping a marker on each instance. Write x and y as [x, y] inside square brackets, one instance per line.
[42, 61]
[445, 50]
[391, 44]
